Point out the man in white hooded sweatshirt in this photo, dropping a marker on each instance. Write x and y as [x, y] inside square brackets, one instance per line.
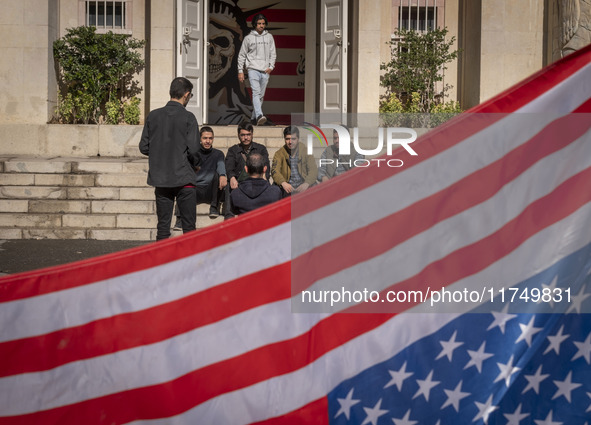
[257, 55]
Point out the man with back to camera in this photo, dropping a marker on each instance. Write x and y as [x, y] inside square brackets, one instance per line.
[258, 55]
[255, 191]
[236, 159]
[170, 140]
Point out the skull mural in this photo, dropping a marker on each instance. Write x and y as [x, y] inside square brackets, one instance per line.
[220, 53]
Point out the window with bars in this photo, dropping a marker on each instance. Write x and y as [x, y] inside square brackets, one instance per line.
[107, 15]
[418, 18]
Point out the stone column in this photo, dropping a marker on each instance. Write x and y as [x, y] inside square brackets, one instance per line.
[28, 83]
[161, 50]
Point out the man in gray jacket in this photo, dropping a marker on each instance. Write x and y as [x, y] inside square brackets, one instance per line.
[170, 139]
[258, 55]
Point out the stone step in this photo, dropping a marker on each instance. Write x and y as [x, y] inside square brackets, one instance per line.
[227, 136]
[80, 198]
[59, 193]
[88, 226]
[75, 166]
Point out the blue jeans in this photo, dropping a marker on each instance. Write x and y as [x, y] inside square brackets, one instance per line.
[258, 84]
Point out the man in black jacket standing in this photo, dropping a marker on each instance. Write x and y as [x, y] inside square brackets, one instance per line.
[170, 139]
[236, 158]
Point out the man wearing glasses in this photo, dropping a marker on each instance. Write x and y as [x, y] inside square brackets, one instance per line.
[170, 139]
[236, 158]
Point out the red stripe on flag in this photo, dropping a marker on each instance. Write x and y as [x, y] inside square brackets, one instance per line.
[286, 68]
[283, 95]
[83, 272]
[276, 16]
[529, 89]
[284, 119]
[181, 394]
[290, 41]
[431, 144]
[370, 241]
[177, 396]
[148, 326]
[474, 258]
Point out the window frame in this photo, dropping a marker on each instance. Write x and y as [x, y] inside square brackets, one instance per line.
[126, 15]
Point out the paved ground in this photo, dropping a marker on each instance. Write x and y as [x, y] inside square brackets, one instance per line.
[27, 254]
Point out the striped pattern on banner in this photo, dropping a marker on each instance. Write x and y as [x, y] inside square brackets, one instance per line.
[287, 25]
[199, 329]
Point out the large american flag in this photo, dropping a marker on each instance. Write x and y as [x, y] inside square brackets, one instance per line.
[202, 329]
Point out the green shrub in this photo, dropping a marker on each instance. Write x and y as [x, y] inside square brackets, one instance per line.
[66, 109]
[94, 69]
[131, 111]
[395, 113]
[113, 111]
[413, 79]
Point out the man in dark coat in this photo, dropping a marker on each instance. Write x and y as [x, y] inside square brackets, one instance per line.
[170, 139]
[255, 191]
[237, 155]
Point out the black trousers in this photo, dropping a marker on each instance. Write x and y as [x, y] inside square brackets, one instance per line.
[211, 194]
[186, 200]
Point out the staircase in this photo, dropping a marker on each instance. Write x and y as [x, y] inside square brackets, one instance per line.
[93, 198]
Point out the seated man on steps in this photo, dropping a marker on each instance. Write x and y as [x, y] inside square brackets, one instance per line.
[211, 177]
[293, 170]
[332, 163]
[236, 159]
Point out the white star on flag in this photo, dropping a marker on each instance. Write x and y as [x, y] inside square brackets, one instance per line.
[405, 420]
[515, 417]
[507, 370]
[565, 387]
[583, 349]
[527, 332]
[548, 420]
[425, 386]
[555, 341]
[533, 381]
[449, 347]
[477, 357]
[501, 319]
[577, 301]
[346, 404]
[398, 377]
[484, 410]
[551, 287]
[373, 413]
[454, 397]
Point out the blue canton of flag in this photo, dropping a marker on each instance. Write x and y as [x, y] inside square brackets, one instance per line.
[496, 367]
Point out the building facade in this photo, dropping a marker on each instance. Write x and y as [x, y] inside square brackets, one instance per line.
[329, 51]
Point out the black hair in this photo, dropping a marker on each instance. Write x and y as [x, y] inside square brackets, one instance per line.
[245, 125]
[255, 164]
[180, 86]
[205, 129]
[291, 130]
[257, 18]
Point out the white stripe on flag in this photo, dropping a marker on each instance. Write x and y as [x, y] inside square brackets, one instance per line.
[465, 228]
[308, 384]
[460, 161]
[68, 308]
